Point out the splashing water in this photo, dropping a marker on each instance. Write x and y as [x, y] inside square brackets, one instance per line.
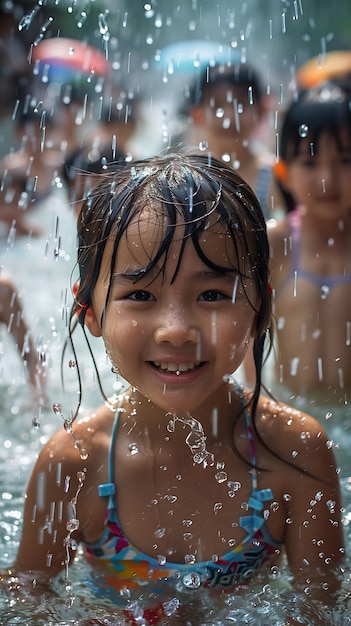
[67, 424]
[69, 543]
[196, 439]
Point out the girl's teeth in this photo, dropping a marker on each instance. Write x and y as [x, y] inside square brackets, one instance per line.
[178, 368]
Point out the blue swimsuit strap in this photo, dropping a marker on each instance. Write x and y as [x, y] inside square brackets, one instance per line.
[109, 488]
[252, 523]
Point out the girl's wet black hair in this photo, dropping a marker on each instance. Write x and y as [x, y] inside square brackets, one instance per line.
[196, 191]
[316, 111]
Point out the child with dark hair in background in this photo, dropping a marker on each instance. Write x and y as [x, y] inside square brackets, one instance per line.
[185, 480]
[228, 110]
[85, 167]
[311, 254]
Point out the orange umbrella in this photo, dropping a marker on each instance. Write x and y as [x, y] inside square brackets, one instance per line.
[329, 66]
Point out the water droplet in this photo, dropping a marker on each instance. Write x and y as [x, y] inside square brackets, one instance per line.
[187, 522]
[324, 291]
[191, 581]
[190, 559]
[274, 571]
[133, 448]
[161, 559]
[72, 525]
[225, 157]
[303, 130]
[331, 506]
[221, 477]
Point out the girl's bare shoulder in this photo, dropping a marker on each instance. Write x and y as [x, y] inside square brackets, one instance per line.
[294, 436]
[87, 436]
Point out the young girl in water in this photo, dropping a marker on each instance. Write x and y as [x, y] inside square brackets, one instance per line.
[185, 480]
[311, 250]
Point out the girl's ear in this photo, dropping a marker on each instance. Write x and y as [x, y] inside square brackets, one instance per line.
[91, 322]
[197, 115]
[90, 319]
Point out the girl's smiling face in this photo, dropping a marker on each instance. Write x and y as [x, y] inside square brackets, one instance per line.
[177, 330]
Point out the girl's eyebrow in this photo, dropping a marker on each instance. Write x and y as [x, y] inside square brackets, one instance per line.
[131, 274]
[128, 275]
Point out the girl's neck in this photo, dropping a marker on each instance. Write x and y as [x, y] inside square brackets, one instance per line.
[214, 418]
[335, 230]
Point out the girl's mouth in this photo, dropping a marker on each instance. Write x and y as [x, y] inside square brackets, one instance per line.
[176, 368]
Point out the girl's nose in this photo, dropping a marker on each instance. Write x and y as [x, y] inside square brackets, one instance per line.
[177, 328]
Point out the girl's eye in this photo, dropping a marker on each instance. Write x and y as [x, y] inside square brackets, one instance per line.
[212, 296]
[308, 163]
[345, 160]
[140, 296]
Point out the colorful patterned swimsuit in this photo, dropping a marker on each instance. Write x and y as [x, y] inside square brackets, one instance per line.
[131, 568]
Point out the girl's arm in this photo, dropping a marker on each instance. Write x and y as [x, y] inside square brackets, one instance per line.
[314, 538]
[49, 520]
